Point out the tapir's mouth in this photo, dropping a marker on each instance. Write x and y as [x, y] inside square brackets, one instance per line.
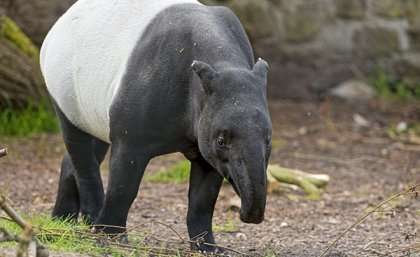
[249, 213]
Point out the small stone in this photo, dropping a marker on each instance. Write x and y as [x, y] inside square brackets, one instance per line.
[284, 224]
[360, 121]
[241, 236]
[333, 221]
[353, 91]
[402, 127]
[303, 131]
[384, 152]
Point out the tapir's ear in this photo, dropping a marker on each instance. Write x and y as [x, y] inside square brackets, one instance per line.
[205, 72]
[261, 68]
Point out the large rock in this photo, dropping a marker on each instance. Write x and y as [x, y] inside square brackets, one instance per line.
[354, 91]
[303, 21]
[351, 9]
[35, 17]
[376, 42]
[408, 68]
[310, 44]
[20, 76]
[413, 15]
[390, 8]
[258, 17]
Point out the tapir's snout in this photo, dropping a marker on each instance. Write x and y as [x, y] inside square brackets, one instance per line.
[250, 182]
[253, 201]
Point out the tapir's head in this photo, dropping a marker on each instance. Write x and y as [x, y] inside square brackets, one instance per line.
[234, 131]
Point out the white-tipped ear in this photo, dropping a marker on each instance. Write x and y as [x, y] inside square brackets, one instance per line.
[261, 68]
[205, 72]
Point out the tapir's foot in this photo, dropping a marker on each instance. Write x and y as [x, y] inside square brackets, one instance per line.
[89, 216]
[207, 248]
[106, 240]
[113, 233]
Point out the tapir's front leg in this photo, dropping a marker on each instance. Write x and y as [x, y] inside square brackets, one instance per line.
[205, 185]
[126, 171]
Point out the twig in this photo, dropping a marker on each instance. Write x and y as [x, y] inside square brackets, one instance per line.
[92, 237]
[172, 229]
[7, 237]
[365, 216]
[28, 234]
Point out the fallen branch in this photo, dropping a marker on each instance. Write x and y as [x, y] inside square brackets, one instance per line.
[5, 236]
[312, 184]
[27, 240]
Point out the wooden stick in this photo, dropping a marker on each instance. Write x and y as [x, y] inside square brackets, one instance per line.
[12, 213]
[28, 234]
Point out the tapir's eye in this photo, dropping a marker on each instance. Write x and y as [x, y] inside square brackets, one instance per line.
[221, 141]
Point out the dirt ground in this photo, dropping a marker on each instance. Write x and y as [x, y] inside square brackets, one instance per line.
[365, 166]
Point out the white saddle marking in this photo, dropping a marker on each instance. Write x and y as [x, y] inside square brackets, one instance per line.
[85, 55]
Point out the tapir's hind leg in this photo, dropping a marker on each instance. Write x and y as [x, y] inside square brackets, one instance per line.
[67, 204]
[80, 181]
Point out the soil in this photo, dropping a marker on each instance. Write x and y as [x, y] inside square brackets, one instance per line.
[365, 165]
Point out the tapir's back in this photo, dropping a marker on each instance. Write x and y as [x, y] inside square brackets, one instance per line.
[85, 55]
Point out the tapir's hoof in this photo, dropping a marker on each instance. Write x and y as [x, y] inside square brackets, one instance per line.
[208, 249]
[118, 235]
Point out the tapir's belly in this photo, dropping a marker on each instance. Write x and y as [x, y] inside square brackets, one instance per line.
[85, 55]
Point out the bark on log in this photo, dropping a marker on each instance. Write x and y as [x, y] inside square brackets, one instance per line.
[310, 183]
[20, 77]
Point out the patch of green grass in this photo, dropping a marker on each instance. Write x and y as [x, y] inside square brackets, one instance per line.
[178, 173]
[66, 236]
[69, 237]
[391, 88]
[33, 119]
[59, 236]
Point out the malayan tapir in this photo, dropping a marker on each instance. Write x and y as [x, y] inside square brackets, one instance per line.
[152, 77]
